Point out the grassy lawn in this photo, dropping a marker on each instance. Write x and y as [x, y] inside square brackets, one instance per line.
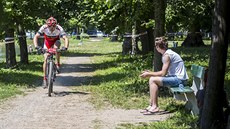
[115, 81]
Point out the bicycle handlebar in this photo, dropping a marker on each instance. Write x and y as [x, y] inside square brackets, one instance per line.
[50, 50]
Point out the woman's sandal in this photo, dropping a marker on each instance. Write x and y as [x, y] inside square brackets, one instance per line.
[146, 109]
[152, 111]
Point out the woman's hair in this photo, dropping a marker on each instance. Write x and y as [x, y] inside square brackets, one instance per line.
[161, 42]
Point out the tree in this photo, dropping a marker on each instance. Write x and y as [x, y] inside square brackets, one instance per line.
[22, 45]
[191, 16]
[24, 15]
[160, 6]
[1, 9]
[125, 16]
[19, 27]
[9, 34]
[212, 116]
[10, 48]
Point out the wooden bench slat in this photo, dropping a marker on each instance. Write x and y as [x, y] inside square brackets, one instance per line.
[198, 71]
[185, 89]
[188, 93]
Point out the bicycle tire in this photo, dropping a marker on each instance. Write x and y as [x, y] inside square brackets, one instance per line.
[50, 78]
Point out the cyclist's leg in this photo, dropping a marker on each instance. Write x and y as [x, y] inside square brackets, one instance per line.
[44, 68]
[44, 64]
[57, 45]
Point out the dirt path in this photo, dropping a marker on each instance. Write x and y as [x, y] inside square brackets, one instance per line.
[66, 109]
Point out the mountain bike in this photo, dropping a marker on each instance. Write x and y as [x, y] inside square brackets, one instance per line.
[51, 68]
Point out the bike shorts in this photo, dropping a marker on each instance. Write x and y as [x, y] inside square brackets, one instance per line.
[57, 43]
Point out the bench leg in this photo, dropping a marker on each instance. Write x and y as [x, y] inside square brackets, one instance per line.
[191, 103]
[179, 96]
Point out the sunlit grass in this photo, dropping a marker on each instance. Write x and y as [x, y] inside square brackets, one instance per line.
[8, 90]
[116, 79]
[14, 80]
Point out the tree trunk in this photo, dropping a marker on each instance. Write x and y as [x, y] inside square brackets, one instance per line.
[10, 48]
[151, 41]
[193, 39]
[146, 40]
[212, 116]
[145, 44]
[160, 6]
[127, 44]
[1, 11]
[134, 43]
[78, 33]
[114, 38]
[23, 45]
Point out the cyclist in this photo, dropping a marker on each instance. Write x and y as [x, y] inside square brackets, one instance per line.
[52, 33]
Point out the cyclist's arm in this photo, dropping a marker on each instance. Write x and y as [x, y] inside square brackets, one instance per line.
[39, 33]
[64, 36]
[35, 40]
[66, 41]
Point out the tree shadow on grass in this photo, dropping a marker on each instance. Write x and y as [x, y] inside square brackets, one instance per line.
[72, 80]
[105, 64]
[21, 74]
[74, 54]
[86, 80]
[82, 71]
[32, 66]
[113, 77]
[80, 68]
[65, 93]
[194, 54]
[20, 79]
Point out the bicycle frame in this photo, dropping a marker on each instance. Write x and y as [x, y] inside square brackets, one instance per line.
[51, 68]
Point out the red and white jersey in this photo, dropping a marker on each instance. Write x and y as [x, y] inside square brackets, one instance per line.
[51, 37]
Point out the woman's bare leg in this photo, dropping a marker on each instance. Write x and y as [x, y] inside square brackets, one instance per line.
[154, 83]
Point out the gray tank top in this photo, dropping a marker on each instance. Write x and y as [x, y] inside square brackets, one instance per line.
[176, 66]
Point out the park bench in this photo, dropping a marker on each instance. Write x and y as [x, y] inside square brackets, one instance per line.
[188, 93]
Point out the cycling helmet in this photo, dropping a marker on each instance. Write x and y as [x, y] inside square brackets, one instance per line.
[51, 21]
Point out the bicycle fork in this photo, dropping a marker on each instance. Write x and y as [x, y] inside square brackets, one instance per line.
[51, 67]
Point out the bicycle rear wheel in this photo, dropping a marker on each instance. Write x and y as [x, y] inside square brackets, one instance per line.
[50, 78]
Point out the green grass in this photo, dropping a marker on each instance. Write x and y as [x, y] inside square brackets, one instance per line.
[115, 81]
[14, 81]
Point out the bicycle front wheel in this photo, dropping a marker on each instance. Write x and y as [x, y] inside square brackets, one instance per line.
[50, 78]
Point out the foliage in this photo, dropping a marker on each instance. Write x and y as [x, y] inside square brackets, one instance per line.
[115, 16]
[32, 14]
[122, 14]
[185, 14]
